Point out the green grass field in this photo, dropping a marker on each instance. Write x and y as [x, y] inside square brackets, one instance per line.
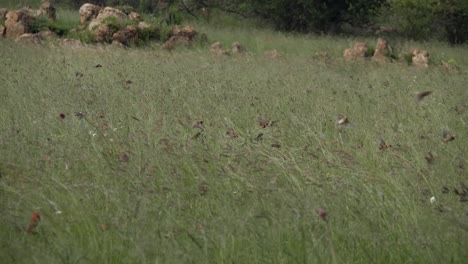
[130, 180]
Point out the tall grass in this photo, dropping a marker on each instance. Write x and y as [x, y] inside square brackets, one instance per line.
[133, 182]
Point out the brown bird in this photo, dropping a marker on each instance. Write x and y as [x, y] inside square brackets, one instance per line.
[429, 157]
[264, 122]
[382, 144]
[199, 124]
[422, 94]
[447, 135]
[35, 219]
[342, 120]
[231, 133]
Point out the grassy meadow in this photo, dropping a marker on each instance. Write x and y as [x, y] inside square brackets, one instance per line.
[100, 142]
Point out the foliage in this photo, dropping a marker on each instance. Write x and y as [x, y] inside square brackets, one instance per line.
[421, 19]
[305, 15]
[60, 27]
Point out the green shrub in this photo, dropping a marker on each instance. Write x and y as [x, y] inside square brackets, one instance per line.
[84, 36]
[60, 27]
[423, 19]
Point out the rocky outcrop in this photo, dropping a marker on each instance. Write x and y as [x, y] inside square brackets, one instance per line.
[111, 12]
[420, 58]
[88, 12]
[357, 52]
[18, 23]
[103, 33]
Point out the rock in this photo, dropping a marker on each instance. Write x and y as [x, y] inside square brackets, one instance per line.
[126, 35]
[357, 52]
[18, 23]
[420, 58]
[29, 38]
[30, 11]
[70, 43]
[88, 12]
[134, 16]
[111, 12]
[103, 33]
[272, 53]
[3, 12]
[237, 48]
[2, 32]
[380, 50]
[47, 9]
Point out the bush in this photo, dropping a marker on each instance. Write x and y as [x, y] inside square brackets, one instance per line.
[422, 19]
[306, 15]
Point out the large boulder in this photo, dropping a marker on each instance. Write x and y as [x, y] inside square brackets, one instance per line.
[18, 23]
[103, 33]
[357, 52]
[47, 9]
[380, 50]
[88, 12]
[420, 58]
[111, 12]
[126, 35]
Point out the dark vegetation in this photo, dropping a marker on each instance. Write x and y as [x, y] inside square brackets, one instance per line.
[419, 20]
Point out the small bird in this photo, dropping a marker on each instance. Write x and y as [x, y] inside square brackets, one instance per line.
[231, 133]
[422, 94]
[264, 122]
[199, 124]
[342, 120]
[447, 135]
[33, 223]
[382, 144]
[429, 157]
